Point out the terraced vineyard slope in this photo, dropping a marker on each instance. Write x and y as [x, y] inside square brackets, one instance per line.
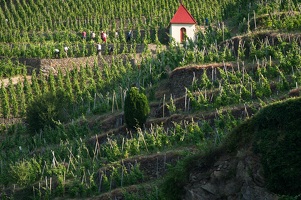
[224, 109]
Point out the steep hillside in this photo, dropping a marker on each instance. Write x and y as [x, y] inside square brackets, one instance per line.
[224, 120]
[258, 160]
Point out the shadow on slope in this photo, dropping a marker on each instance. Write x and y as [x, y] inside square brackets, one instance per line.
[260, 159]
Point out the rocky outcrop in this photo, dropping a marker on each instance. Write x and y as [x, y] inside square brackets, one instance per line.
[231, 177]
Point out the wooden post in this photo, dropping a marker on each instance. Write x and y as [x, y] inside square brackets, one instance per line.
[185, 98]
[248, 22]
[255, 27]
[113, 102]
[223, 27]
[163, 105]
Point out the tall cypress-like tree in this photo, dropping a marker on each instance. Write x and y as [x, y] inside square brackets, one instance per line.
[136, 108]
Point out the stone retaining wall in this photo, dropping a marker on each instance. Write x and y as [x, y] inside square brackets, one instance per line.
[47, 65]
[182, 78]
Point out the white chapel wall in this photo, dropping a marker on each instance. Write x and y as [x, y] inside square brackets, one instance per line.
[175, 31]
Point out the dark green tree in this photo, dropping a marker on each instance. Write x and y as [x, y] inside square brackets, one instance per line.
[136, 108]
[47, 110]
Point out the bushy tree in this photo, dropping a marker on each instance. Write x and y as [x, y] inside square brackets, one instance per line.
[25, 172]
[136, 108]
[48, 110]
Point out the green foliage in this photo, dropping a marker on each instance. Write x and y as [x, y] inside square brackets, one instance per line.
[212, 35]
[32, 32]
[25, 172]
[148, 192]
[173, 185]
[171, 107]
[136, 108]
[47, 110]
[175, 180]
[9, 69]
[278, 139]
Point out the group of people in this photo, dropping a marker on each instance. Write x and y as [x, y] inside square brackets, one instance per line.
[103, 36]
[57, 52]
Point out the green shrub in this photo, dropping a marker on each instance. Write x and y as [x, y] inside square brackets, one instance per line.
[278, 140]
[175, 181]
[48, 110]
[177, 177]
[136, 108]
[25, 172]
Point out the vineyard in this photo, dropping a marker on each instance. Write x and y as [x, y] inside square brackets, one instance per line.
[63, 133]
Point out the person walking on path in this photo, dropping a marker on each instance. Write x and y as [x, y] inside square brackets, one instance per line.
[129, 36]
[98, 48]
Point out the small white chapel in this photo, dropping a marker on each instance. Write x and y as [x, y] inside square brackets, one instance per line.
[182, 25]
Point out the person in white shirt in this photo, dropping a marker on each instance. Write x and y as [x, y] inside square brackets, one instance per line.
[93, 36]
[66, 50]
[56, 53]
[98, 47]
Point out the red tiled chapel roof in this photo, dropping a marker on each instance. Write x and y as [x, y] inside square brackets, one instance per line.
[182, 16]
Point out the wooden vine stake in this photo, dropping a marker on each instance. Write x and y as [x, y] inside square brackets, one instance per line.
[163, 106]
[113, 100]
[185, 98]
[248, 22]
[223, 27]
[255, 27]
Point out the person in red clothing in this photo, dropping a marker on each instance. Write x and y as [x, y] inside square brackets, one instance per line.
[84, 34]
[103, 36]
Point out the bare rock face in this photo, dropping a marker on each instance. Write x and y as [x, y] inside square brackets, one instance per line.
[230, 177]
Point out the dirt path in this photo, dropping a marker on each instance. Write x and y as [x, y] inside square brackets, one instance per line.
[14, 80]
